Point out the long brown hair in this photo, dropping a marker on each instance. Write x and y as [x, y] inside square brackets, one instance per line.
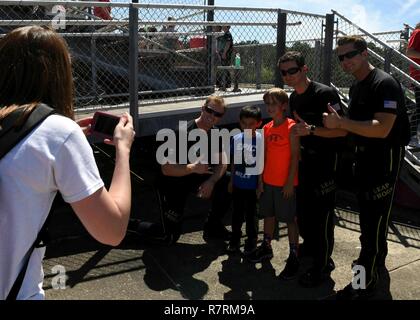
[35, 67]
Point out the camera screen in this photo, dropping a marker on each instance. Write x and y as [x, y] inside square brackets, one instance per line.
[106, 125]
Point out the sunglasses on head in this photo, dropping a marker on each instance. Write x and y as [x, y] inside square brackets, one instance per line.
[213, 112]
[348, 55]
[290, 71]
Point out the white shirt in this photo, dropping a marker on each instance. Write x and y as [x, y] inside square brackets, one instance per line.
[54, 156]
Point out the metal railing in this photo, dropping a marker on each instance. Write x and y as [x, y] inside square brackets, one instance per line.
[175, 58]
[148, 53]
[384, 56]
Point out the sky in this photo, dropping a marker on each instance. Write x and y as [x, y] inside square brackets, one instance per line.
[371, 15]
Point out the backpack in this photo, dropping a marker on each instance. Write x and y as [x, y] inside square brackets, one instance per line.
[10, 136]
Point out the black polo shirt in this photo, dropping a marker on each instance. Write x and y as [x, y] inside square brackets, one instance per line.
[378, 92]
[206, 154]
[310, 105]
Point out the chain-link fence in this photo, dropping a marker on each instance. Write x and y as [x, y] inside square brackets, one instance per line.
[384, 56]
[180, 47]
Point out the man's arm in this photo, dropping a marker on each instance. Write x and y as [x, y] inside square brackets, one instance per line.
[206, 188]
[302, 129]
[181, 170]
[379, 127]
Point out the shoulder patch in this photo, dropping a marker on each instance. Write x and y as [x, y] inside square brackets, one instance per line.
[389, 104]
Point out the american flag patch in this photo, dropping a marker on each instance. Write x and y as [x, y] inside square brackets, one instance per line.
[388, 104]
[336, 107]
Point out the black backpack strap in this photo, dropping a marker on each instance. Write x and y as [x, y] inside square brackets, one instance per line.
[11, 135]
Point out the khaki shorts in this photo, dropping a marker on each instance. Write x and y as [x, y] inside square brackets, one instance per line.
[273, 204]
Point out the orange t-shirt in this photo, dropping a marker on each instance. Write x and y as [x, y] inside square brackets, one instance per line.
[277, 153]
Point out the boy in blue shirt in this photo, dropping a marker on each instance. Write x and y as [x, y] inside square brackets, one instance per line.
[244, 180]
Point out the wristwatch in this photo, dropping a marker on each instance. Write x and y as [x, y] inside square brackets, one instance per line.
[312, 129]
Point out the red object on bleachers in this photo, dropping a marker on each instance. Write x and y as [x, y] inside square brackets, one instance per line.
[103, 12]
[198, 42]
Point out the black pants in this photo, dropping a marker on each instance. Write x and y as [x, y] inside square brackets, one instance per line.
[316, 202]
[244, 208]
[175, 191]
[376, 172]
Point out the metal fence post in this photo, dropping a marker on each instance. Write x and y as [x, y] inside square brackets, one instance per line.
[387, 62]
[328, 48]
[211, 78]
[317, 71]
[281, 45]
[133, 64]
[258, 65]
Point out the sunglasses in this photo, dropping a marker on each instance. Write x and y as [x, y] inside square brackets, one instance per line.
[290, 71]
[214, 112]
[348, 55]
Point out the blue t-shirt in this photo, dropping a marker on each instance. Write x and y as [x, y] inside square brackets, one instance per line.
[240, 146]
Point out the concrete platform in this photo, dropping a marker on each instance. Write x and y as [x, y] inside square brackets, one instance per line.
[193, 269]
[154, 117]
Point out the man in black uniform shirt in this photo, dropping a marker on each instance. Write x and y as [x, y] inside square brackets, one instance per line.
[317, 167]
[379, 125]
[205, 179]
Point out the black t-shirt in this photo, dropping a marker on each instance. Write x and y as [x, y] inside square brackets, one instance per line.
[310, 106]
[378, 92]
[193, 145]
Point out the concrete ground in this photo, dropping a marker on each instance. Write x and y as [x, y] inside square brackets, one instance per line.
[194, 269]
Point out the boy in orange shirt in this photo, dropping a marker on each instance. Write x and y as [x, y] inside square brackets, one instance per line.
[277, 199]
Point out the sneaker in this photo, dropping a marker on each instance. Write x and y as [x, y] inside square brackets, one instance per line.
[263, 252]
[291, 269]
[233, 246]
[216, 233]
[349, 293]
[250, 246]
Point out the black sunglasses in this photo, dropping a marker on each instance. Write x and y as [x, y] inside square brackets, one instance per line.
[290, 71]
[348, 55]
[214, 112]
